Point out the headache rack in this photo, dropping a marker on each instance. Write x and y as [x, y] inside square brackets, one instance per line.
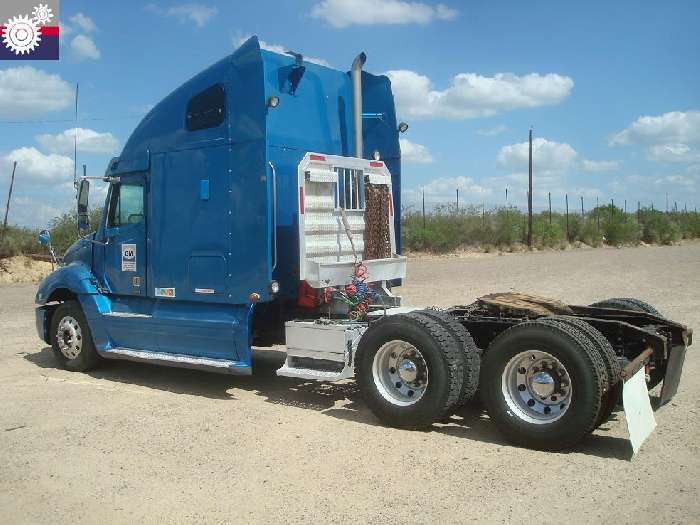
[346, 216]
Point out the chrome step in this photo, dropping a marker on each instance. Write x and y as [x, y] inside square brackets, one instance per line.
[315, 375]
[222, 366]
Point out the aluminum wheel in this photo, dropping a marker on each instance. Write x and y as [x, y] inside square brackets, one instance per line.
[537, 387]
[400, 373]
[69, 337]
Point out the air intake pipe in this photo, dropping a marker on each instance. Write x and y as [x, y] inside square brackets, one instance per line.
[357, 100]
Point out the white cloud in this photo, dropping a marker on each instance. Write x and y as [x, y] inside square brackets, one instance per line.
[492, 132]
[83, 22]
[26, 91]
[595, 166]
[471, 95]
[89, 141]
[671, 137]
[32, 212]
[35, 166]
[681, 187]
[199, 14]
[343, 13]
[276, 48]
[412, 152]
[673, 153]
[548, 156]
[444, 189]
[83, 47]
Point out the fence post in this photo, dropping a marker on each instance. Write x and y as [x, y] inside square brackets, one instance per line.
[612, 210]
[566, 196]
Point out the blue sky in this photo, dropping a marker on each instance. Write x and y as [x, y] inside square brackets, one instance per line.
[612, 90]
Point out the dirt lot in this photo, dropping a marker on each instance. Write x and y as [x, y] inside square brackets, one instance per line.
[137, 442]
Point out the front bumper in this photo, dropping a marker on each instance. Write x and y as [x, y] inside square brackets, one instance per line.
[42, 317]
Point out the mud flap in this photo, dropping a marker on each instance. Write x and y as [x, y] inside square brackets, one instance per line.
[638, 413]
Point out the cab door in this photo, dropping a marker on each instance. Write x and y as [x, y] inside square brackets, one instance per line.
[124, 271]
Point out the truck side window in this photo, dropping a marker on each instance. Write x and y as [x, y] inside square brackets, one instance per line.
[206, 109]
[126, 205]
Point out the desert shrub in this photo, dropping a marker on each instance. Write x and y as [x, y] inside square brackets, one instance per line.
[660, 228]
[64, 229]
[18, 240]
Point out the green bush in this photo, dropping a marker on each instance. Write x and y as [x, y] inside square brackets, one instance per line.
[660, 228]
[18, 240]
[64, 229]
[447, 228]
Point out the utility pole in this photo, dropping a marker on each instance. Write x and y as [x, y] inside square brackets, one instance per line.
[529, 195]
[549, 198]
[75, 141]
[583, 213]
[457, 200]
[7, 207]
[424, 208]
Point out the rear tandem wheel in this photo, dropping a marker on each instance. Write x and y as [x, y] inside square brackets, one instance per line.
[409, 370]
[542, 383]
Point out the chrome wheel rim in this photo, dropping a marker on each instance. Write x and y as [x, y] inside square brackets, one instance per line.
[536, 387]
[69, 337]
[400, 373]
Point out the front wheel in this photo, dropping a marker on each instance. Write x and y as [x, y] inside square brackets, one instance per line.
[71, 340]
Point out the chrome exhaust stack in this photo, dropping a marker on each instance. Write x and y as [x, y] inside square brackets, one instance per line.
[357, 100]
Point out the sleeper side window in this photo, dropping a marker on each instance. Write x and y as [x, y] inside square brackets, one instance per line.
[126, 205]
[206, 109]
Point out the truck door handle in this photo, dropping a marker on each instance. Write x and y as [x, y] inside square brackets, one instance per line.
[274, 215]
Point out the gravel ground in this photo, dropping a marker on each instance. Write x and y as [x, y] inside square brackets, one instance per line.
[132, 442]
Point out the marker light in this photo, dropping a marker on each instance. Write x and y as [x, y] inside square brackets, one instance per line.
[273, 101]
[403, 127]
[375, 155]
[274, 287]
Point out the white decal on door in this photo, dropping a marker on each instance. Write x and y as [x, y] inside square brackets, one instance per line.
[128, 257]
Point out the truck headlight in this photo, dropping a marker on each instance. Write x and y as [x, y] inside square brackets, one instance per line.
[274, 287]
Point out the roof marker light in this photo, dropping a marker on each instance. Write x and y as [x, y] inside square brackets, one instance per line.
[376, 164]
[273, 101]
[317, 157]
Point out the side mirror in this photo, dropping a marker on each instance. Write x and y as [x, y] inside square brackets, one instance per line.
[83, 195]
[44, 238]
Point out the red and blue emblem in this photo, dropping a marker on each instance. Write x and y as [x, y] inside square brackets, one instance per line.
[29, 36]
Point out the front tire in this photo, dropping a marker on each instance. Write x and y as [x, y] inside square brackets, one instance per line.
[542, 384]
[71, 340]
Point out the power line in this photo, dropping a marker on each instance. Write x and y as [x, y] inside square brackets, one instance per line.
[59, 121]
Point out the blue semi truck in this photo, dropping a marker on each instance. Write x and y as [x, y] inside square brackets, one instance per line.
[259, 204]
